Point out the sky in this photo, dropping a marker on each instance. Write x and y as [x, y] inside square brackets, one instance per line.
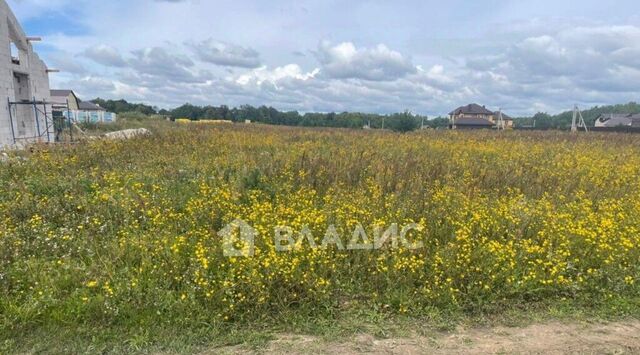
[374, 56]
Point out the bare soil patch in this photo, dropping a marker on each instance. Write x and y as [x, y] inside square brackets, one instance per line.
[548, 338]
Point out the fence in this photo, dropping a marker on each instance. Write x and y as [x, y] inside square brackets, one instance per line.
[90, 116]
[619, 129]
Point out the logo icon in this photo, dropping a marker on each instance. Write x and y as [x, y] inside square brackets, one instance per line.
[238, 239]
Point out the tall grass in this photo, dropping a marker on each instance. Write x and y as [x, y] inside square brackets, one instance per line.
[125, 233]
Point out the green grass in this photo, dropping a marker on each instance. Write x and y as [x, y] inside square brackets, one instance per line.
[112, 247]
[171, 336]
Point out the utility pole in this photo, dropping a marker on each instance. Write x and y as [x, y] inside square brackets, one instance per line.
[578, 120]
[501, 125]
[383, 122]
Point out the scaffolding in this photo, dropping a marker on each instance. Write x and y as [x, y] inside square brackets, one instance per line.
[63, 120]
[39, 111]
[46, 122]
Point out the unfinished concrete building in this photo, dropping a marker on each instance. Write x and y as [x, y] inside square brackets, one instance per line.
[25, 112]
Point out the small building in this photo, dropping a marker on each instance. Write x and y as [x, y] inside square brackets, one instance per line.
[91, 107]
[69, 105]
[25, 116]
[474, 116]
[611, 120]
[64, 98]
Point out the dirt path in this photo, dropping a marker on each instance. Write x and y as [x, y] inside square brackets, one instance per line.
[550, 338]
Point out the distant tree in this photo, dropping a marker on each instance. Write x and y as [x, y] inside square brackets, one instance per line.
[543, 120]
[403, 122]
[188, 111]
[121, 106]
[438, 122]
[563, 120]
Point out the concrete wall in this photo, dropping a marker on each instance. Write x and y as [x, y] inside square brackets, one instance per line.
[25, 80]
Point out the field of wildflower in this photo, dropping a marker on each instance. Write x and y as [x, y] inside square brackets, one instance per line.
[125, 233]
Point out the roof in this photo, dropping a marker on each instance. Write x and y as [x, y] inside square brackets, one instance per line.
[478, 122]
[61, 93]
[471, 109]
[614, 119]
[89, 106]
[60, 97]
[504, 116]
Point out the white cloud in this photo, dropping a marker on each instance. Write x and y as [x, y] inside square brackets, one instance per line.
[158, 65]
[579, 55]
[502, 58]
[263, 74]
[345, 61]
[437, 77]
[226, 54]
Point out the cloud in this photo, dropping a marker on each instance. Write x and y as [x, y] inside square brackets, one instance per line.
[345, 61]
[519, 56]
[263, 74]
[226, 54]
[582, 56]
[67, 63]
[156, 66]
[549, 71]
[105, 55]
[436, 77]
[91, 84]
[88, 87]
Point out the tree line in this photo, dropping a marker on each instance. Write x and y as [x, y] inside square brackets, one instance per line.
[403, 121]
[122, 106]
[543, 120]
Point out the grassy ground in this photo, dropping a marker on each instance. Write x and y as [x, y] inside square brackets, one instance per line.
[178, 337]
[113, 246]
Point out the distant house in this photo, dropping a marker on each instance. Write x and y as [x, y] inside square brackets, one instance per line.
[476, 116]
[610, 120]
[508, 120]
[68, 104]
[61, 98]
[90, 106]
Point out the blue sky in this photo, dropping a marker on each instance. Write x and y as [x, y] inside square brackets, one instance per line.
[329, 55]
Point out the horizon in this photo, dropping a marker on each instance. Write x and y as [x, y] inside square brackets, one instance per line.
[440, 116]
[425, 57]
